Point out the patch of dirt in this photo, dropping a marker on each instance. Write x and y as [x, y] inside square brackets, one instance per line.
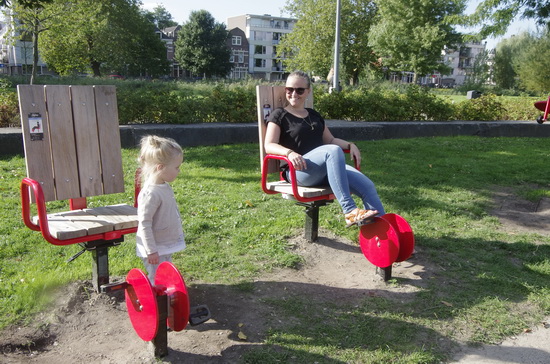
[88, 327]
[518, 215]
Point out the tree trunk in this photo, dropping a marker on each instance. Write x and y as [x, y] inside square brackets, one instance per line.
[95, 68]
[34, 54]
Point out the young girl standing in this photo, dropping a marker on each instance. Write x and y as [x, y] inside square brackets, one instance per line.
[159, 233]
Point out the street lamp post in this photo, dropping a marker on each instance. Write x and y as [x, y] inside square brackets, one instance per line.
[335, 81]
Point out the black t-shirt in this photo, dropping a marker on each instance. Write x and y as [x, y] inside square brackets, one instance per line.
[299, 134]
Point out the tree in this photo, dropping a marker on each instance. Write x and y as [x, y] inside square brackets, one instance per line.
[507, 57]
[160, 17]
[495, 16]
[25, 3]
[201, 46]
[534, 64]
[311, 42]
[479, 74]
[409, 35]
[103, 35]
[28, 22]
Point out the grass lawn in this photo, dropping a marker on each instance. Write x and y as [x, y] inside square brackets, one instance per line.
[493, 283]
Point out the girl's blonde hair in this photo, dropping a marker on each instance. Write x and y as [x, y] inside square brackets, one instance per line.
[155, 151]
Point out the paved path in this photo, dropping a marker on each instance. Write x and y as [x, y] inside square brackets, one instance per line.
[528, 348]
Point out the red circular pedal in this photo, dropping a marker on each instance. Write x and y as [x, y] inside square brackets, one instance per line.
[404, 234]
[142, 307]
[379, 242]
[169, 278]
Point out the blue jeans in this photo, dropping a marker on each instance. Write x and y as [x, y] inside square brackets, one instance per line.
[327, 165]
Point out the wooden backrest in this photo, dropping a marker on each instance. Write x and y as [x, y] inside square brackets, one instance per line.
[268, 98]
[71, 139]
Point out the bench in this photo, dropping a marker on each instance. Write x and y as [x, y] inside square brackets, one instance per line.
[312, 198]
[72, 151]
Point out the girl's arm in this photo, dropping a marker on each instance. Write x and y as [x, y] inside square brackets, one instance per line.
[147, 206]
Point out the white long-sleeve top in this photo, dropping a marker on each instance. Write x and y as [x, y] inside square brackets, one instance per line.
[159, 222]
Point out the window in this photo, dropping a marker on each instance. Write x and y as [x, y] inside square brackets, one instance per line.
[259, 49]
[260, 63]
[236, 40]
[237, 57]
[260, 35]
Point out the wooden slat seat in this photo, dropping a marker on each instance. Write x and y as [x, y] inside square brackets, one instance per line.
[78, 223]
[73, 151]
[307, 192]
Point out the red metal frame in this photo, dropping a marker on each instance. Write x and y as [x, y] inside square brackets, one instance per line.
[293, 183]
[543, 106]
[28, 185]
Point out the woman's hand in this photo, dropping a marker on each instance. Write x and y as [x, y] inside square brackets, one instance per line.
[355, 154]
[297, 160]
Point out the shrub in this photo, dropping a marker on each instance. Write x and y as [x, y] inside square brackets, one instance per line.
[379, 104]
[9, 109]
[520, 108]
[486, 107]
[184, 103]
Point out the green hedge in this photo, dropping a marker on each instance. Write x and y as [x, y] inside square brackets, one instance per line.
[185, 103]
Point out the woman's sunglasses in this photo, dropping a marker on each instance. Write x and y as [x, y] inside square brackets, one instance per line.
[299, 90]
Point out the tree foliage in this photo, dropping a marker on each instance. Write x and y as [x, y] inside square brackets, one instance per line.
[160, 17]
[27, 23]
[479, 73]
[201, 46]
[506, 60]
[534, 64]
[103, 35]
[24, 3]
[495, 16]
[311, 42]
[409, 35]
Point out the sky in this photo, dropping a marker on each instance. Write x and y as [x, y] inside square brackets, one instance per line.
[223, 9]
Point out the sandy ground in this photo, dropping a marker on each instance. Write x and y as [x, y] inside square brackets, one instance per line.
[88, 327]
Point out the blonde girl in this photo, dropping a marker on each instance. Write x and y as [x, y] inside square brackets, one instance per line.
[160, 232]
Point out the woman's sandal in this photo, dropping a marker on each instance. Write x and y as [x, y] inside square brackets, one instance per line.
[360, 217]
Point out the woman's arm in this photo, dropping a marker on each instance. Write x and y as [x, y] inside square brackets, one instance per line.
[272, 136]
[355, 153]
[272, 146]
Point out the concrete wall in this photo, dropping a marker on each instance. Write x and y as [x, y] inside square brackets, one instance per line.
[11, 141]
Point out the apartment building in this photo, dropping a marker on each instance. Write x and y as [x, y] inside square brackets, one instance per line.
[16, 57]
[168, 36]
[462, 61]
[239, 59]
[263, 33]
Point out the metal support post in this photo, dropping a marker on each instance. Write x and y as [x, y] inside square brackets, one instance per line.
[385, 273]
[159, 344]
[312, 223]
[100, 267]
